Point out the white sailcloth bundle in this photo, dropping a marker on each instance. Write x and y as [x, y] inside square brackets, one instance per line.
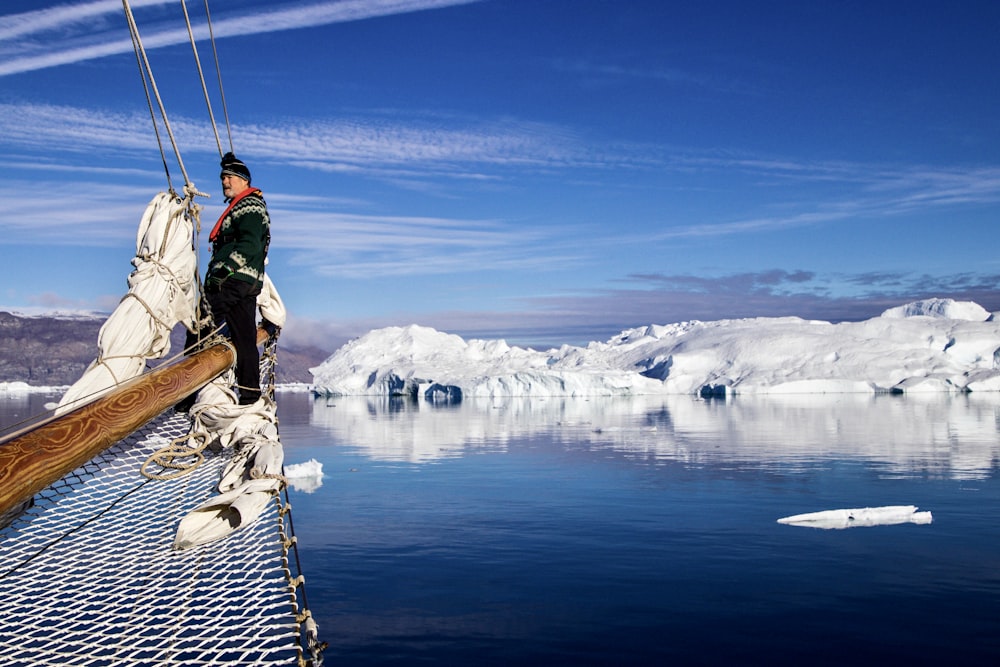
[252, 477]
[162, 292]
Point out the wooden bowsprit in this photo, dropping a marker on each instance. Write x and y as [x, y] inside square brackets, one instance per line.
[34, 458]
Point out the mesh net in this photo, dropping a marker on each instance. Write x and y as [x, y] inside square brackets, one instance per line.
[89, 576]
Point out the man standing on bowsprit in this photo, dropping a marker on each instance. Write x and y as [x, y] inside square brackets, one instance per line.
[236, 270]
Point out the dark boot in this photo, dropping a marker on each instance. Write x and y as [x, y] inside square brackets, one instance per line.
[249, 396]
[185, 404]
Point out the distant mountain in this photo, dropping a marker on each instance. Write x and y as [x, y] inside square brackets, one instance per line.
[46, 351]
[53, 351]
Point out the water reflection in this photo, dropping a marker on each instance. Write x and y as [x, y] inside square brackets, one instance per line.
[18, 409]
[954, 436]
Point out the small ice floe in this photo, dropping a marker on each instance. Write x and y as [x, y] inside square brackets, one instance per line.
[865, 516]
[305, 477]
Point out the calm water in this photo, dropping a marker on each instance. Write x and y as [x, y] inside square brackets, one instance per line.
[643, 532]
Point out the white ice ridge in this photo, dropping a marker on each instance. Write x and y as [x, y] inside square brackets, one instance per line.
[936, 345]
[860, 517]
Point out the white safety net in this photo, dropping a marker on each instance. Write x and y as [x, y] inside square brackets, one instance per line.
[89, 574]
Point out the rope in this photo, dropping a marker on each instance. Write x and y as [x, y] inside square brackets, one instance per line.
[152, 113]
[201, 76]
[141, 51]
[175, 456]
[218, 71]
[88, 578]
[168, 456]
[73, 530]
[149, 310]
[309, 639]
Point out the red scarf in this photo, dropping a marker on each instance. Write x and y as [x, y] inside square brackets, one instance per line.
[235, 200]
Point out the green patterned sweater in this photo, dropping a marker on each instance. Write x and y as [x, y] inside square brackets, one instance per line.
[244, 235]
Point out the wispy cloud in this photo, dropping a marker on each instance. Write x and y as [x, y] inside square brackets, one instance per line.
[71, 213]
[409, 150]
[609, 74]
[39, 126]
[403, 140]
[841, 191]
[374, 145]
[344, 246]
[66, 19]
[315, 236]
[75, 33]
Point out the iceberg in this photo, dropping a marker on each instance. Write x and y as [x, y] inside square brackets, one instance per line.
[935, 345]
[305, 477]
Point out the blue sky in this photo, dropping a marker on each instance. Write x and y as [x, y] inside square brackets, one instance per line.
[545, 171]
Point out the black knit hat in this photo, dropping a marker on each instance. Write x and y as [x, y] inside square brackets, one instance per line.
[234, 166]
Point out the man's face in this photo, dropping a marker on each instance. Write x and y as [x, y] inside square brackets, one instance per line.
[233, 185]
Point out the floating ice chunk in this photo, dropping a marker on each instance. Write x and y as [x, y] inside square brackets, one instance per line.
[305, 477]
[865, 516]
[311, 468]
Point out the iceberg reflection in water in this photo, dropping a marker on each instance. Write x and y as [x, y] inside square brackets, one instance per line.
[644, 531]
[955, 436]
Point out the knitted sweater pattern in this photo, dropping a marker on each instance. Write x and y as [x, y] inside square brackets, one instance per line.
[244, 236]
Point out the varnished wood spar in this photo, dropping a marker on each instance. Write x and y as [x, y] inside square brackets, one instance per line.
[32, 460]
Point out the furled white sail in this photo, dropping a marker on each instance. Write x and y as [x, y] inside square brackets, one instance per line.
[250, 480]
[162, 292]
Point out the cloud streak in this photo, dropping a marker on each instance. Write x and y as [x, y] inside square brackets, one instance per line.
[75, 33]
[398, 147]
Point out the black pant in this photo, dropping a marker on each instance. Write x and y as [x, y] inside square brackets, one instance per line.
[235, 305]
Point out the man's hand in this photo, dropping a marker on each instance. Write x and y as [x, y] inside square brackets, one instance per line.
[216, 278]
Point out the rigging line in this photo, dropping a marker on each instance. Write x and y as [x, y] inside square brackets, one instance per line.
[201, 76]
[218, 71]
[159, 100]
[152, 113]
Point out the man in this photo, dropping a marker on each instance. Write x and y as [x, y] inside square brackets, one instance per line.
[235, 275]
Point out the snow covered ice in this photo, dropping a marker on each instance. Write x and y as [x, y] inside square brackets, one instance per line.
[936, 345]
[861, 517]
[306, 476]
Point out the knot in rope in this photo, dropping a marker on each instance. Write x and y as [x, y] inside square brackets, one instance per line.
[257, 473]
